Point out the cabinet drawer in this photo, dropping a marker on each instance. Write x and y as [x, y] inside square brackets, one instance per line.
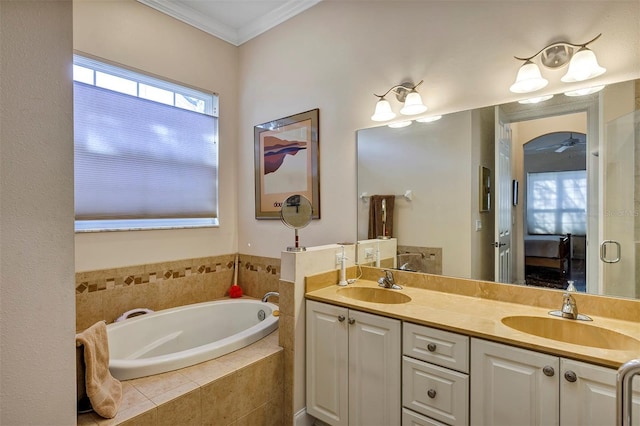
[436, 392]
[411, 418]
[438, 347]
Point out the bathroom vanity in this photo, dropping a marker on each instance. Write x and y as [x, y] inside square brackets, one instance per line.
[462, 359]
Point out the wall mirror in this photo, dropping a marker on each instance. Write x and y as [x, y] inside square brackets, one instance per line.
[574, 162]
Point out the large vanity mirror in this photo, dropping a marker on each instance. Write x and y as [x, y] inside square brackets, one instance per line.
[561, 202]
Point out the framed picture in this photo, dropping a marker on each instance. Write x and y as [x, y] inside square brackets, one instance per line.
[485, 189]
[286, 163]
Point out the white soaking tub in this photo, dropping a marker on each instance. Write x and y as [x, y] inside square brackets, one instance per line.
[179, 337]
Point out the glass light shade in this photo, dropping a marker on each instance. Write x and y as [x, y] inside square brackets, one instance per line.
[583, 66]
[400, 124]
[585, 91]
[429, 119]
[383, 111]
[413, 104]
[536, 100]
[529, 79]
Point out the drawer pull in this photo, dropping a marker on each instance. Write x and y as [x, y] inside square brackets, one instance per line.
[548, 371]
[431, 347]
[352, 320]
[341, 318]
[570, 376]
[431, 393]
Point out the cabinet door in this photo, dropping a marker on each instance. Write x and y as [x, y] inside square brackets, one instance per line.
[589, 395]
[327, 374]
[509, 386]
[374, 370]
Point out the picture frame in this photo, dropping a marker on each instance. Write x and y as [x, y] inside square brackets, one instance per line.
[485, 189]
[286, 163]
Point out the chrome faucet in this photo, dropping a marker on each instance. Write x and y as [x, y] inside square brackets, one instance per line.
[569, 307]
[269, 294]
[388, 281]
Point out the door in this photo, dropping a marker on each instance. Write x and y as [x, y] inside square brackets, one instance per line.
[374, 370]
[327, 363]
[620, 217]
[512, 386]
[503, 199]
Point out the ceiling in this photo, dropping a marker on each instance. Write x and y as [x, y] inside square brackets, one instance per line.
[235, 21]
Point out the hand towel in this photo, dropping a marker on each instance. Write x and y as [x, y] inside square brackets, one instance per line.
[104, 391]
[375, 216]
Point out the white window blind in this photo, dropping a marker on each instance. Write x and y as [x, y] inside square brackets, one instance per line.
[146, 151]
[557, 202]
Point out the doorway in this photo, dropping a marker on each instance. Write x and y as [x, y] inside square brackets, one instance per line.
[555, 209]
[550, 166]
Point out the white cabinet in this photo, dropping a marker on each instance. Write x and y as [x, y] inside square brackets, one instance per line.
[435, 387]
[353, 366]
[514, 386]
[588, 395]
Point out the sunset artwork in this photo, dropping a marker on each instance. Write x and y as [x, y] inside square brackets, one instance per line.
[286, 162]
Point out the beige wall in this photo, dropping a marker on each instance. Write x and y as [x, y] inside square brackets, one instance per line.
[336, 54]
[37, 368]
[127, 32]
[333, 57]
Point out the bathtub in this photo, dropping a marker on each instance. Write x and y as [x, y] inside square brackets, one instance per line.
[179, 337]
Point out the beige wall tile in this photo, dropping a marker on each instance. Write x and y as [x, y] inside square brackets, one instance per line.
[183, 410]
[219, 401]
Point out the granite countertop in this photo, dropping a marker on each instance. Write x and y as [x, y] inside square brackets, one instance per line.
[479, 317]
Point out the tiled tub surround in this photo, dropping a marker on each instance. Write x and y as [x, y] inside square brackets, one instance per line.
[217, 392]
[106, 294]
[244, 387]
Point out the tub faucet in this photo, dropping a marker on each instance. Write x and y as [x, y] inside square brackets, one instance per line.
[269, 294]
[388, 281]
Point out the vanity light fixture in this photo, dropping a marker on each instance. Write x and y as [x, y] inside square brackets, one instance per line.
[429, 119]
[400, 124]
[583, 65]
[535, 100]
[405, 92]
[585, 91]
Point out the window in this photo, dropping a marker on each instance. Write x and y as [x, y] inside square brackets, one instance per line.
[557, 202]
[146, 151]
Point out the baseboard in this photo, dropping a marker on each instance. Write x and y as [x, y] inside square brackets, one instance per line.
[301, 418]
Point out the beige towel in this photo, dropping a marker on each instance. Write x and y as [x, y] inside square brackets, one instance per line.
[104, 391]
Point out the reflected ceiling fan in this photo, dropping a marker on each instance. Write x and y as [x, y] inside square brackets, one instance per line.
[568, 143]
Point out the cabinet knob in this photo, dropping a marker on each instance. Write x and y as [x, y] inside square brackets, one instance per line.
[352, 320]
[431, 393]
[341, 318]
[570, 376]
[548, 371]
[431, 347]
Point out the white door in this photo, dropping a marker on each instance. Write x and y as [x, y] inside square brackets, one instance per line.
[512, 386]
[327, 363]
[588, 394]
[620, 218]
[502, 199]
[374, 370]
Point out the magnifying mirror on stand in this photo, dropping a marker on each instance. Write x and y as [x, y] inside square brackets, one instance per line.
[296, 213]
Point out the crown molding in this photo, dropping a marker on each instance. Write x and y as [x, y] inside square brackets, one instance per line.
[235, 36]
